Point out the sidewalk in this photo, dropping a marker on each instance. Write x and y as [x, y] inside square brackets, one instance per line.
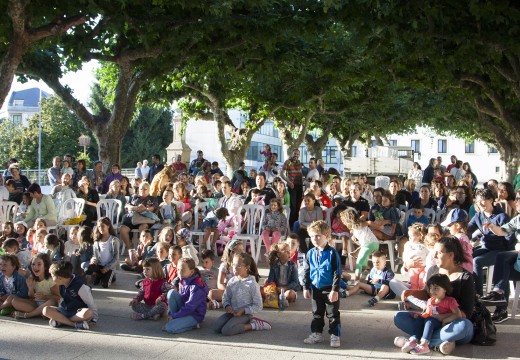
[367, 333]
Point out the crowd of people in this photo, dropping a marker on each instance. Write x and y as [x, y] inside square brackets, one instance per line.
[449, 229]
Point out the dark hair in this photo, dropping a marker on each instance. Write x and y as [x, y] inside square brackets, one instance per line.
[452, 245]
[221, 213]
[256, 191]
[85, 236]
[34, 188]
[440, 280]
[208, 254]
[46, 265]
[418, 206]
[214, 163]
[13, 259]
[54, 240]
[10, 182]
[176, 248]
[273, 254]
[62, 269]
[262, 174]
[485, 193]
[510, 190]
[248, 260]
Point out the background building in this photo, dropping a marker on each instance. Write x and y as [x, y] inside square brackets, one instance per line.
[24, 104]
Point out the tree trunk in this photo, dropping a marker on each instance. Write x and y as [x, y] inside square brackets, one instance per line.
[315, 147]
[346, 142]
[510, 158]
[291, 143]
[9, 64]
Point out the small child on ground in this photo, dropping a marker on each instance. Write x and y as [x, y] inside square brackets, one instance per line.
[170, 270]
[55, 247]
[414, 249]
[106, 253]
[77, 306]
[11, 246]
[81, 258]
[368, 242]
[42, 290]
[184, 241]
[12, 283]
[439, 287]
[149, 302]
[209, 272]
[284, 273]
[161, 252]
[297, 256]
[187, 306]
[241, 299]
[39, 240]
[72, 244]
[136, 257]
[322, 276]
[378, 281]
[275, 224]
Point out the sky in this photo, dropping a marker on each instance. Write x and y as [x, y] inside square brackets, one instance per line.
[80, 82]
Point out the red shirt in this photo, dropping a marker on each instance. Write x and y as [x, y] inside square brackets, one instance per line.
[445, 306]
[179, 167]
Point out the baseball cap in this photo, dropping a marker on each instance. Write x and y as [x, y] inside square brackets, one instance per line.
[455, 215]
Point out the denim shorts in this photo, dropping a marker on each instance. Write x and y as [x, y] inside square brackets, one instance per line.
[211, 222]
[67, 313]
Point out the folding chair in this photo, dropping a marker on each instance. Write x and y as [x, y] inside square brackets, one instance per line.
[254, 216]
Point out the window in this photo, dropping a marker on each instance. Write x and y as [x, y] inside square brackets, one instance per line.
[416, 146]
[304, 155]
[470, 147]
[374, 143]
[392, 142]
[442, 146]
[354, 151]
[18, 102]
[331, 156]
[492, 150]
[17, 119]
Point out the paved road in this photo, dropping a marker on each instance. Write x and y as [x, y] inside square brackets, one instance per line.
[367, 333]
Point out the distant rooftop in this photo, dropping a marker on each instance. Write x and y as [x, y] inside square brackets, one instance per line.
[30, 97]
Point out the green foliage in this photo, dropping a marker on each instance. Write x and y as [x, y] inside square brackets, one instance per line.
[150, 133]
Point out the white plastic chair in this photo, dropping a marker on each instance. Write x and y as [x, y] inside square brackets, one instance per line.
[516, 285]
[254, 229]
[71, 208]
[8, 210]
[196, 231]
[111, 208]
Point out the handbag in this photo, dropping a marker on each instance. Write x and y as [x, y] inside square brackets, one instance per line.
[484, 331]
[138, 219]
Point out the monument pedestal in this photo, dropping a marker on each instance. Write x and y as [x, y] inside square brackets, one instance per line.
[178, 145]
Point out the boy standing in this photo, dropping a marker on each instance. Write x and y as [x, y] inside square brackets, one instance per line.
[77, 305]
[322, 275]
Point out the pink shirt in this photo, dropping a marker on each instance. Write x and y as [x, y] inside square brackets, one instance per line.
[468, 251]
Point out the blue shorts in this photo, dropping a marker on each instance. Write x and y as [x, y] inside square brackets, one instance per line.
[211, 222]
[67, 313]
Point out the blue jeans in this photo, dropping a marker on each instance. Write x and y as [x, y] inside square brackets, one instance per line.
[179, 325]
[459, 331]
[505, 271]
[482, 257]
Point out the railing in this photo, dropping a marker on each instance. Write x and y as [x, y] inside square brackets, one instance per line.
[32, 175]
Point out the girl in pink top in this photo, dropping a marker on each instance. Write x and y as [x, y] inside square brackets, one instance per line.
[456, 222]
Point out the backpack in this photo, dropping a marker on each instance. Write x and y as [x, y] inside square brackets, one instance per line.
[484, 331]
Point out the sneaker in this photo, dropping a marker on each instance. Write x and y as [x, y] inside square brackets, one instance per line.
[156, 317]
[494, 298]
[420, 349]
[447, 347]
[499, 316]
[107, 279]
[82, 325]
[19, 315]
[400, 341]
[55, 324]
[401, 306]
[261, 324]
[314, 338]
[137, 316]
[409, 345]
[343, 293]
[335, 341]
[373, 301]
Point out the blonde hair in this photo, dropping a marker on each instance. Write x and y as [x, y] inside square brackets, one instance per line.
[319, 227]
[350, 218]
[419, 229]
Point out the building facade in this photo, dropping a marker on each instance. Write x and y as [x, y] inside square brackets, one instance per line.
[24, 104]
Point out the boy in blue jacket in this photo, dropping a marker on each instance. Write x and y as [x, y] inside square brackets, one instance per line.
[322, 276]
[12, 283]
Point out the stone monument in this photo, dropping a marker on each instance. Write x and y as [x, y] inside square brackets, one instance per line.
[178, 145]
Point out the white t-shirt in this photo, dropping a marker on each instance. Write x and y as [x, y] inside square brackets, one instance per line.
[104, 252]
[4, 194]
[364, 235]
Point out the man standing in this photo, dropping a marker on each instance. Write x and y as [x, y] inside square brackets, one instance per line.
[313, 173]
[196, 164]
[54, 173]
[155, 168]
[215, 169]
[292, 174]
[439, 164]
[453, 159]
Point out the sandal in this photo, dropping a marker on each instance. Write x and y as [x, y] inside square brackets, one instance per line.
[19, 315]
[213, 305]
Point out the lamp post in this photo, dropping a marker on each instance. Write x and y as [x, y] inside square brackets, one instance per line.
[84, 141]
[39, 134]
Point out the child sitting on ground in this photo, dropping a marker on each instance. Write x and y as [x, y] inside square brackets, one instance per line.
[54, 247]
[438, 287]
[297, 256]
[72, 244]
[378, 280]
[170, 270]
[187, 306]
[136, 257]
[77, 305]
[362, 235]
[414, 249]
[81, 258]
[184, 241]
[12, 283]
[161, 252]
[241, 299]
[11, 246]
[106, 253]
[283, 272]
[209, 272]
[39, 241]
[148, 303]
[323, 275]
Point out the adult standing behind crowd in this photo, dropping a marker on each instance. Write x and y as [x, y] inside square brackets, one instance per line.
[416, 173]
[196, 164]
[155, 168]
[293, 176]
[429, 172]
[313, 173]
[145, 170]
[457, 170]
[22, 183]
[491, 244]
[54, 173]
[449, 256]
[42, 206]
